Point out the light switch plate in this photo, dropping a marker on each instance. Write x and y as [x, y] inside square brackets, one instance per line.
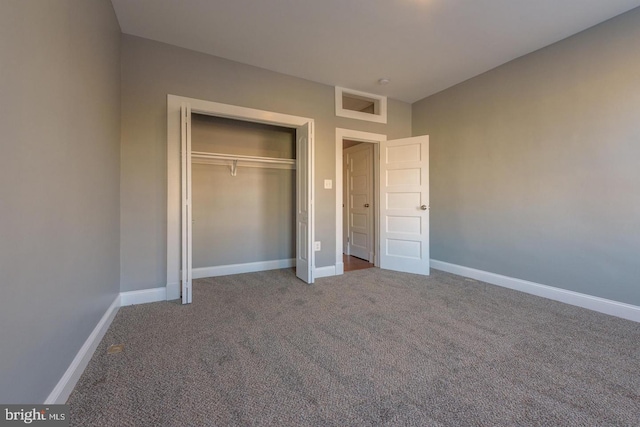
[328, 184]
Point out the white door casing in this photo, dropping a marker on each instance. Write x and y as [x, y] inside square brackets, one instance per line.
[304, 205]
[360, 203]
[404, 205]
[178, 184]
[186, 225]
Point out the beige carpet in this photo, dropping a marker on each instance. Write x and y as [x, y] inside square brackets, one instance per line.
[368, 348]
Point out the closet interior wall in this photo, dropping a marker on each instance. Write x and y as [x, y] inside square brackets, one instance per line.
[249, 217]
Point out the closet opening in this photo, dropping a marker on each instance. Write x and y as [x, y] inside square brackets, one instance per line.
[243, 196]
[262, 154]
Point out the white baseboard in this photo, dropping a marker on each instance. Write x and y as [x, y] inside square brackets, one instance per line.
[65, 386]
[602, 305]
[339, 268]
[144, 296]
[249, 267]
[327, 271]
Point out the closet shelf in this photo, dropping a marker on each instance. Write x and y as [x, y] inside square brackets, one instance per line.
[235, 160]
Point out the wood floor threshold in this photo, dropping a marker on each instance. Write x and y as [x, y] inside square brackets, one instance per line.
[352, 263]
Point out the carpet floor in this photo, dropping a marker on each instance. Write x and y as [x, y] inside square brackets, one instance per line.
[369, 348]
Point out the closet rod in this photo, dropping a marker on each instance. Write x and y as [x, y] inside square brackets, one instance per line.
[248, 161]
[220, 156]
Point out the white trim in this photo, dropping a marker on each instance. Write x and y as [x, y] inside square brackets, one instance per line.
[602, 305]
[327, 271]
[65, 386]
[249, 267]
[375, 139]
[380, 115]
[143, 296]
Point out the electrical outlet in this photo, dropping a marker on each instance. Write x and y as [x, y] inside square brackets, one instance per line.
[328, 184]
[317, 246]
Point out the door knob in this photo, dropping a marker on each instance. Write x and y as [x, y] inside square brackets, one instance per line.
[366, 205]
[423, 207]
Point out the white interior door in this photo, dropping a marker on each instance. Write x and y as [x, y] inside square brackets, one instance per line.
[186, 262]
[404, 200]
[360, 200]
[304, 204]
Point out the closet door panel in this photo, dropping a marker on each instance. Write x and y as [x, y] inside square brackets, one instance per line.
[186, 212]
[304, 203]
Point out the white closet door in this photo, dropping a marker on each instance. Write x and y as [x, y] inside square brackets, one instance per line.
[304, 204]
[186, 214]
[404, 200]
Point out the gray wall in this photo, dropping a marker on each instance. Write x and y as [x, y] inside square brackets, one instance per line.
[249, 217]
[535, 165]
[150, 71]
[59, 186]
[245, 218]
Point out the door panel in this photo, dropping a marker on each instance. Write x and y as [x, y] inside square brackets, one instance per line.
[186, 260]
[403, 177]
[404, 214]
[360, 196]
[403, 224]
[304, 204]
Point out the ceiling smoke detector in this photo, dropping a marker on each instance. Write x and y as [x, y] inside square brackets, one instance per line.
[383, 81]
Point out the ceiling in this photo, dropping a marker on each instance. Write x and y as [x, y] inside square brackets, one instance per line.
[422, 46]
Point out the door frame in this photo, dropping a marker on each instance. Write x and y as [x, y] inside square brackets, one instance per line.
[375, 139]
[210, 108]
